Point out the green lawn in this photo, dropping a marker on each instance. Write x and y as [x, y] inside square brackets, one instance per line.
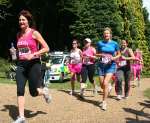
[3, 79]
[53, 85]
[147, 93]
[61, 85]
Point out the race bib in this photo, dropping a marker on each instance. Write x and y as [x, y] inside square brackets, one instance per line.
[86, 60]
[105, 60]
[122, 63]
[25, 50]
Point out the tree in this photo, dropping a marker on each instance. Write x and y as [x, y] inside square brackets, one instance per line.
[147, 26]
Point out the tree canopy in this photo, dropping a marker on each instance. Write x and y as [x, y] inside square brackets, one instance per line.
[60, 21]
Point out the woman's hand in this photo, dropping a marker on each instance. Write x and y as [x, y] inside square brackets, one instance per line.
[29, 56]
[123, 57]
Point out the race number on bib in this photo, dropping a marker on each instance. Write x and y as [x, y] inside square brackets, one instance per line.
[105, 60]
[122, 63]
[87, 59]
[23, 51]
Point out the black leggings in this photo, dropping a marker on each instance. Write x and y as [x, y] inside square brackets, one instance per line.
[87, 71]
[31, 71]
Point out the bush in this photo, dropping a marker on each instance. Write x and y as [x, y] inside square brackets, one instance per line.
[4, 65]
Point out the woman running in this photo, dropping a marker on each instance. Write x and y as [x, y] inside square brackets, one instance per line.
[124, 70]
[137, 66]
[108, 51]
[88, 66]
[75, 64]
[28, 66]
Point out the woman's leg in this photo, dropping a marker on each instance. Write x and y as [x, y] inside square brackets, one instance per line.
[21, 82]
[101, 79]
[35, 83]
[73, 78]
[21, 103]
[139, 72]
[118, 86]
[84, 78]
[106, 80]
[91, 72]
[127, 73]
[135, 72]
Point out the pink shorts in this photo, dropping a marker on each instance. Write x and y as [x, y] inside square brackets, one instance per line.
[75, 68]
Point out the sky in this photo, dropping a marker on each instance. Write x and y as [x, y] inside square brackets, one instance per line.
[146, 3]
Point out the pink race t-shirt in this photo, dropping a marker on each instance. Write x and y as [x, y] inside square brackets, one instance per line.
[88, 55]
[27, 45]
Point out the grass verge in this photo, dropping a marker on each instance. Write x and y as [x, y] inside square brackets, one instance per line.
[147, 93]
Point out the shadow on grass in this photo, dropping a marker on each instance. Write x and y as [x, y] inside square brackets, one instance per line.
[13, 112]
[58, 81]
[141, 113]
[83, 99]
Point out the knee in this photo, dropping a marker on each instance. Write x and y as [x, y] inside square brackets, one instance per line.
[105, 83]
[34, 93]
[20, 92]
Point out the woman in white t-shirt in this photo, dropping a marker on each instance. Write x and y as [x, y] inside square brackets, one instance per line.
[75, 64]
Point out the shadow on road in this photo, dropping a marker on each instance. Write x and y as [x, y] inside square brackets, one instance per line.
[77, 95]
[13, 112]
[140, 113]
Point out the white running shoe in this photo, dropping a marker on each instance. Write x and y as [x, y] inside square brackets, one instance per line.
[82, 93]
[119, 97]
[20, 120]
[95, 90]
[126, 97]
[104, 105]
[71, 92]
[46, 95]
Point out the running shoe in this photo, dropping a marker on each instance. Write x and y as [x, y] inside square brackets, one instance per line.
[72, 92]
[20, 120]
[119, 97]
[104, 105]
[126, 97]
[95, 90]
[46, 95]
[82, 93]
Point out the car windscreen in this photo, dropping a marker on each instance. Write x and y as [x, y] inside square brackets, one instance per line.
[56, 59]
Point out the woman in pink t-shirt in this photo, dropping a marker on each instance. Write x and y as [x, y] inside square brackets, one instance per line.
[88, 66]
[28, 65]
[137, 66]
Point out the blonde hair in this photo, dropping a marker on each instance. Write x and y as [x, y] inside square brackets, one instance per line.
[108, 29]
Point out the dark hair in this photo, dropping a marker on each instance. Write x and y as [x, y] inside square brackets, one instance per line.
[75, 41]
[29, 17]
[125, 41]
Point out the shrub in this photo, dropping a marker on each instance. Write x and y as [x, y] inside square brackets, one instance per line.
[4, 65]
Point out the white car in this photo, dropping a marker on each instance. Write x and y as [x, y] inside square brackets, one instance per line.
[59, 68]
